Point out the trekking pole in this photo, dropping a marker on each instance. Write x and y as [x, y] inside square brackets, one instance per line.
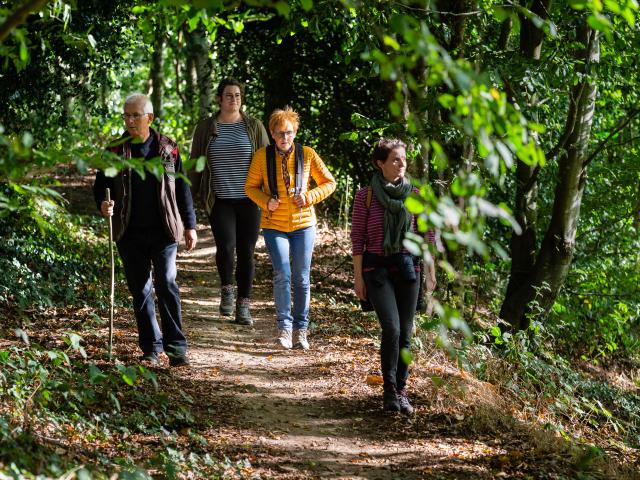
[108, 197]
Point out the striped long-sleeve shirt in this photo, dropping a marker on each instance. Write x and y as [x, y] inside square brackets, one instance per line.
[229, 155]
[367, 225]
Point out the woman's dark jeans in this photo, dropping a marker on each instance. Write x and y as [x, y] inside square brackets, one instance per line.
[235, 224]
[394, 301]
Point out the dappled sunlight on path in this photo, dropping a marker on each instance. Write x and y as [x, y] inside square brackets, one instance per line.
[293, 413]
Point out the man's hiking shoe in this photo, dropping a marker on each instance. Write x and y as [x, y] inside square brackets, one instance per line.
[284, 339]
[390, 403]
[403, 400]
[178, 361]
[301, 341]
[152, 358]
[226, 300]
[243, 315]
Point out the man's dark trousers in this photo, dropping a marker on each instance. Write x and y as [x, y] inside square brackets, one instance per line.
[140, 249]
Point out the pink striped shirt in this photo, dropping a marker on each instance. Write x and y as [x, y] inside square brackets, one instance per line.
[367, 227]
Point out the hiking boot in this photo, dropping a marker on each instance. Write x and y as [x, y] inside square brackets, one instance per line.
[301, 340]
[403, 400]
[284, 339]
[151, 357]
[226, 300]
[177, 361]
[243, 315]
[390, 401]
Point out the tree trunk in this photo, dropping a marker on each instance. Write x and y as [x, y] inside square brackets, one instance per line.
[558, 245]
[417, 107]
[523, 246]
[156, 72]
[505, 31]
[190, 81]
[530, 35]
[200, 62]
[278, 82]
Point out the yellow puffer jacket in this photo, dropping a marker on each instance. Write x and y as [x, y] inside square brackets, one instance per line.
[287, 217]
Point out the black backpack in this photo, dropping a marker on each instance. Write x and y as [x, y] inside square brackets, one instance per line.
[271, 169]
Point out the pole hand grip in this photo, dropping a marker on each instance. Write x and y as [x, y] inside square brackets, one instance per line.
[107, 194]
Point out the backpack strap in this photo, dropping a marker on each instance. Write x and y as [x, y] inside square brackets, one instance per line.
[369, 197]
[299, 167]
[271, 171]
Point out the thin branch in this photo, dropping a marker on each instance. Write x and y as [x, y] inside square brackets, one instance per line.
[19, 16]
[623, 123]
[429, 11]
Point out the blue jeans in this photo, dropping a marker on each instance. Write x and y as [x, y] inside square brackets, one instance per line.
[290, 254]
[140, 250]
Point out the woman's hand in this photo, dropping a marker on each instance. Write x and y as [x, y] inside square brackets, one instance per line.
[361, 289]
[431, 278]
[273, 204]
[299, 200]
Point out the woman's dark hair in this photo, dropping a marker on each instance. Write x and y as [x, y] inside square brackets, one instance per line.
[384, 147]
[225, 82]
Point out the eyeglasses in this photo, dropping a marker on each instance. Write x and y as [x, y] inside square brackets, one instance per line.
[134, 116]
[230, 96]
[288, 134]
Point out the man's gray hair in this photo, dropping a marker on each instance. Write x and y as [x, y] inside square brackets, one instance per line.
[140, 97]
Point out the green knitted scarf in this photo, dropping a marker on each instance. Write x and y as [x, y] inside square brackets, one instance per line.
[397, 219]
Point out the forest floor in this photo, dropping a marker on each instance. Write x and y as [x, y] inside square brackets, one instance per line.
[317, 414]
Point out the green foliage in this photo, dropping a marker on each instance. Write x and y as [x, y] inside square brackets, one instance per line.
[53, 262]
[549, 386]
[50, 397]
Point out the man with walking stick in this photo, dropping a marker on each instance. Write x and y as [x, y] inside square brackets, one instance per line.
[149, 217]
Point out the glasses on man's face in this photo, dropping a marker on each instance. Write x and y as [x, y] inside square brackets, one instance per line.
[287, 134]
[231, 96]
[133, 116]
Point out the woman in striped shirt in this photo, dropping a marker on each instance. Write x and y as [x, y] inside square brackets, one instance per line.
[228, 140]
[385, 272]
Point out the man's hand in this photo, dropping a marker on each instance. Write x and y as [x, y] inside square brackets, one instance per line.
[106, 208]
[190, 239]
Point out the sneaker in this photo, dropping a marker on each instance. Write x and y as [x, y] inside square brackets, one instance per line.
[178, 361]
[284, 339]
[403, 400]
[243, 315]
[390, 401]
[301, 340]
[226, 300]
[151, 357]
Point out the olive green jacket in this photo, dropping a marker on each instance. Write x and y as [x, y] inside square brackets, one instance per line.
[206, 130]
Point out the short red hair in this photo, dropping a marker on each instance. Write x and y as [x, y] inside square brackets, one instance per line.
[280, 116]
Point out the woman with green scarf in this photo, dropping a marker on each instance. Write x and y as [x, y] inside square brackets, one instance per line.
[385, 272]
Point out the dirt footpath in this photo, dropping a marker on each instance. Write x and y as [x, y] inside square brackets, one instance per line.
[298, 414]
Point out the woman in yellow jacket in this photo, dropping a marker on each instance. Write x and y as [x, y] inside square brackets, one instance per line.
[288, 219]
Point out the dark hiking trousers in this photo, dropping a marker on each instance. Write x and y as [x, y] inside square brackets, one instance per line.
[141, 250]
[235, 224]
[394, 301]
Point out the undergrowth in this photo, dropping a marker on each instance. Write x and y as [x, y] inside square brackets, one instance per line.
[66, 413]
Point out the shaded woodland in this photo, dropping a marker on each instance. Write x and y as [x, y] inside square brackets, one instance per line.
[523, 124]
